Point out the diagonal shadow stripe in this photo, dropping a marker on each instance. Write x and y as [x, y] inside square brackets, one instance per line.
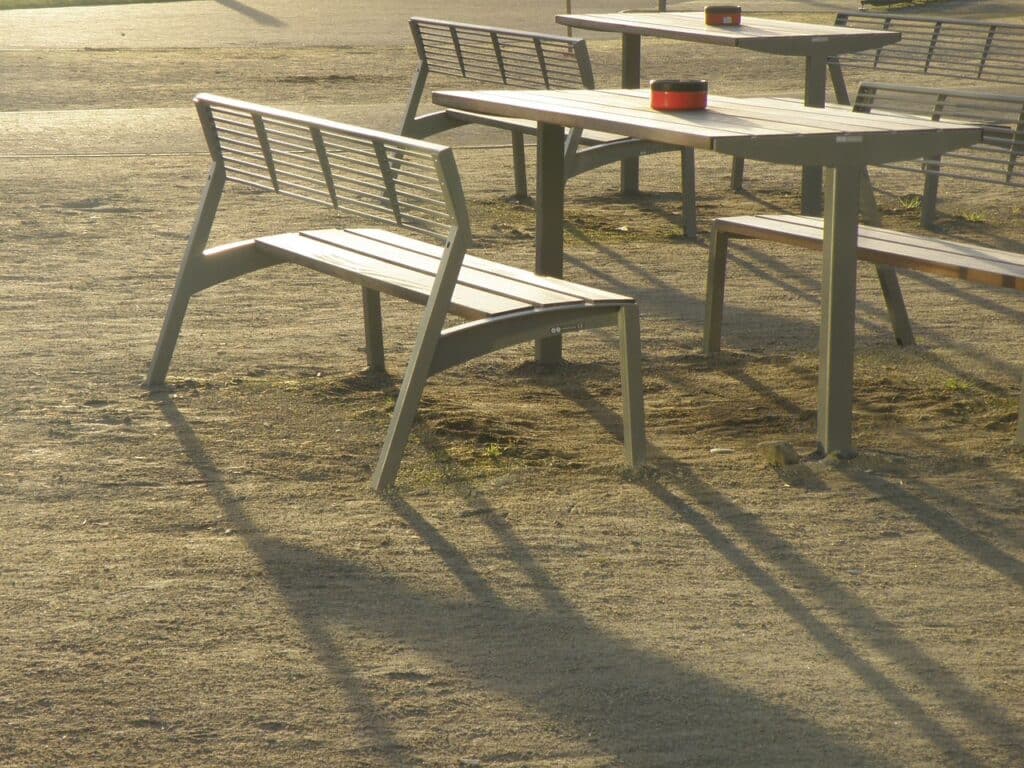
[611, 694]
[258, 16]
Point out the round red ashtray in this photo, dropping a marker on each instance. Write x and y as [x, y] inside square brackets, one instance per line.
[679, 94]
[722, 15]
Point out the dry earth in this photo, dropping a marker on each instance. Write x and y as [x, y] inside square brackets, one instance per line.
[200, 575]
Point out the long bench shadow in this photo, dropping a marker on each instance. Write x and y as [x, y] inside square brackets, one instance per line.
[883, 637]
[256, 15]
[612, 695]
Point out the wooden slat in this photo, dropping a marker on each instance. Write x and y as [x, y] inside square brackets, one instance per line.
[592, 295]
[756, 34]
[383, 276]
[413, 255]
[529, 127]
[769, 129]
[964, 261]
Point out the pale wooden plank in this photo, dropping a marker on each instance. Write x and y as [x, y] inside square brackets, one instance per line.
[383, 276]
[585, 292]
[758, 34]
[427, 262]
[964, 261]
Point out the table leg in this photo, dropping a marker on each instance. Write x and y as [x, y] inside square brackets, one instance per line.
[629, 169]
[838, 301]
[814, 96]
[550, 206]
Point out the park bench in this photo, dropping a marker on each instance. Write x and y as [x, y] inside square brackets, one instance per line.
[937, 47]
[883, 247]
[517, 59]
[410, 192]
[993, 161]
[942, 50]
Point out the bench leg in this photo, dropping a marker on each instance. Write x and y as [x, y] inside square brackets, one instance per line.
[184, 286]
[736, 179]
[715, 294]
[689, 184]
[633, 433]
[893, 295]
[519, 165]
[168, 335]
[835, 70]
[929, 198]
[416, 374]
[887, 277]
[373, 330]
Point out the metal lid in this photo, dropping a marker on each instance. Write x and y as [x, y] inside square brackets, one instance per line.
[727, 9]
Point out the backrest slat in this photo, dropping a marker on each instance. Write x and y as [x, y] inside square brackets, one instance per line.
[993, 160]
[956, 48]
[501, 56]
[377, 176]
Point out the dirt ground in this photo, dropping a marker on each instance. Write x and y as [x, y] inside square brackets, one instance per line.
[200, 575]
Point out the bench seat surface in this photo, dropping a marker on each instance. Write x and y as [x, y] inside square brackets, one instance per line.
[965, 261]
[405, 267]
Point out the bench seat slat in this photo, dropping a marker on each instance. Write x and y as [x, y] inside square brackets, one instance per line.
[426, 258]
[586, 292]
[974, 263]
[383, 276]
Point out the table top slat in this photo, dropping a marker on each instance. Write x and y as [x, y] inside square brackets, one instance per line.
[773, 129]
[790, 38]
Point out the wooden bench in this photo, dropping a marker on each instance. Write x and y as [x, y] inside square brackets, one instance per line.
[517, 59]
[937, 47]
[946, 258]
[996, 160]
[409, 191]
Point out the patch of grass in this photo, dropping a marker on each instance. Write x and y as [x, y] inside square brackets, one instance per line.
[10, 5]
[956, 385]
[908, 202]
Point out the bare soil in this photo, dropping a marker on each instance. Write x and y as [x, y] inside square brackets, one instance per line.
[200, 575]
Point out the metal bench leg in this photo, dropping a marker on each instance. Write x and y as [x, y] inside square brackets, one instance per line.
[633, 433]
[689, 183]
[893, 295]
[416, 373]
[519, 165]
[373, 330]
[887, 277]
[184, 288]
[736, 179]
[715, 295]
[929, 198]
[835, 70]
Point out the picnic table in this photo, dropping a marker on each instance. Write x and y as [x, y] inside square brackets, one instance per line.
[769, 129]
[817, 43]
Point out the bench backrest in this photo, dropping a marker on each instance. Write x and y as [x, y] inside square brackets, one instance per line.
[956, 48]
[498, 56]
[995, 159]
[371, 175]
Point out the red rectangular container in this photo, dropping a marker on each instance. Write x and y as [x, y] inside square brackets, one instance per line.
[722, 15]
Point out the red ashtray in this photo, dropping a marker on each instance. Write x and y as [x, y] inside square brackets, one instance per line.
[679, 94]
[722, 15]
